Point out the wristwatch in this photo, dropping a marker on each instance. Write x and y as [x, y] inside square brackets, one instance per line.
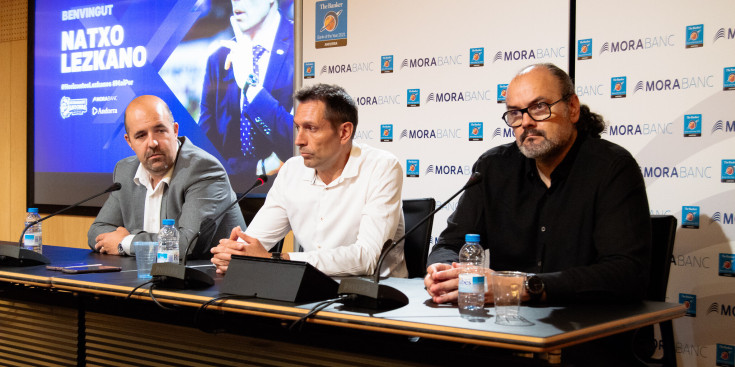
[276, 256]
[534, 286]
[120, 250]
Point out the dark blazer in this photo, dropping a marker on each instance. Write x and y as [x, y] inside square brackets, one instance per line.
[199, 188]
[220, 106]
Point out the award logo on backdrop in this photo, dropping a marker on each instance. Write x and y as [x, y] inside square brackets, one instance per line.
[331, 24]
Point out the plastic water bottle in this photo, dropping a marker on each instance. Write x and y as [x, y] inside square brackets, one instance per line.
[472, 274]
[32, 239]
[168, 242]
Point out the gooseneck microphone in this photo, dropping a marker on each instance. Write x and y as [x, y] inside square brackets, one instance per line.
[373, 295]
[25, 257]
[172, 275]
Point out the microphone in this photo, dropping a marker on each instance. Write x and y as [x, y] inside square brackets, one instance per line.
[178, 276]
[26, 257]
[373, 295]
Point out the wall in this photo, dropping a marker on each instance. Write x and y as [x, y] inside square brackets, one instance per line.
[62, 230]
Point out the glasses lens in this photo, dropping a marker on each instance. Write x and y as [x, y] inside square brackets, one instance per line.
[512, 117]
[539, 111]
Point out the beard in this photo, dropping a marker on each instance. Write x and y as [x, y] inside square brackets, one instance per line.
[544, 149]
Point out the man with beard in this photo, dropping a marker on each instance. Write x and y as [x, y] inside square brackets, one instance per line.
[167, 178]
[561, 204]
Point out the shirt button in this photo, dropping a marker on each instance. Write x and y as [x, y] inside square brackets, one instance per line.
[543, 228]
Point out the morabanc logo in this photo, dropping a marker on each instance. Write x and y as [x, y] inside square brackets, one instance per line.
[690, 217]
[694, 36]
[386, 133]
[725, 268]
[309, 70]
[434, 61]
[502, 92]
[412, 168]
[723, 126]
[475, 129]
[386, 64]
[728, 171]
[724, 34]
[530, 54]
[690, 302]
[477, 57]
[413, 97]
[638, 44]
[618, 87]
[448, 169]
[692, 125]
[584, 49]
[687, 82]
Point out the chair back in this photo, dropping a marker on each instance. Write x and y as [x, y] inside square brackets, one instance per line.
[663, 230]
[416, 244]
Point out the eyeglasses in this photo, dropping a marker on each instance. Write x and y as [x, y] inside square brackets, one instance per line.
[538, 111]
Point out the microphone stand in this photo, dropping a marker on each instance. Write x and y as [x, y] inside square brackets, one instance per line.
[172, 275]
[26, 257]
[373, 295]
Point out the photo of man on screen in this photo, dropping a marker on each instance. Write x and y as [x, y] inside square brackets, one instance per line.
[246, 105]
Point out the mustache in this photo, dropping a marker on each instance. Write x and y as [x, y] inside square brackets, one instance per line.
[534, 132]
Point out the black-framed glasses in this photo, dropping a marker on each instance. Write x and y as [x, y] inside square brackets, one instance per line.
[538, 111]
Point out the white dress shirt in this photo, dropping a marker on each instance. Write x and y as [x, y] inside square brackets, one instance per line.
[341, 226]
[153, 197]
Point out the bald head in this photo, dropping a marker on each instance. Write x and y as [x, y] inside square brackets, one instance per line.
[149, 105]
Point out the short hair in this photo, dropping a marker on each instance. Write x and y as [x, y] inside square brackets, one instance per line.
[166, 110]
[589, 123]
[339, 106]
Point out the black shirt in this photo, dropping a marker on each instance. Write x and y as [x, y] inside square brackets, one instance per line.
[588, 236]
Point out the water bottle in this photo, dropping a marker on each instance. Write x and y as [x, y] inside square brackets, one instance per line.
[471, 274]
[168, 242]
[32, 240]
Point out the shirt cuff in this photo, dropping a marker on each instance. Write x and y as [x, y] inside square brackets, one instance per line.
[298, 256]
[126, 242]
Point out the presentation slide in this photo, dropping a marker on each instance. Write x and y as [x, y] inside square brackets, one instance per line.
[91, 58]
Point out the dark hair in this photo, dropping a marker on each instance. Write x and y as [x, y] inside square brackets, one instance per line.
[589, 123]
[340, 107]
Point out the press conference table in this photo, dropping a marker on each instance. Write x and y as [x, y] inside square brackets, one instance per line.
[99, 298]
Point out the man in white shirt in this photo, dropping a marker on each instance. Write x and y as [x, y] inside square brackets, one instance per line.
[168, 178]
[341, 199]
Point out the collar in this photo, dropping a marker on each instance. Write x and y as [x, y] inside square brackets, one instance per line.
[267, 33]
[351, 169]
[142, 177]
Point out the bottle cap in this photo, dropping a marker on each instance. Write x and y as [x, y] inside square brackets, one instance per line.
[168, 222]
[33, 210]
[472, 238]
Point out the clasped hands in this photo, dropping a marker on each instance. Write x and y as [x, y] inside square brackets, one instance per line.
[442, 281]
[231, 246]
[106, 243]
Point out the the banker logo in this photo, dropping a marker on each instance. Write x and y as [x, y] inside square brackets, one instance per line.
[413, 97]
[728, 171]
[502, 92]
[475, 130]
[331, 23]
[692, 125]
[694, 36]
[448, 169]
[477, 57]
[725, 267]
[72, 107]
[725, 355]
[584, 49]
[412, 168]
[386, 133]
[386, 64]
[690, 302]
[309, 70]
[728, 79]
[724, 34]
[690, 217]
[618, 86]
[723, 126]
